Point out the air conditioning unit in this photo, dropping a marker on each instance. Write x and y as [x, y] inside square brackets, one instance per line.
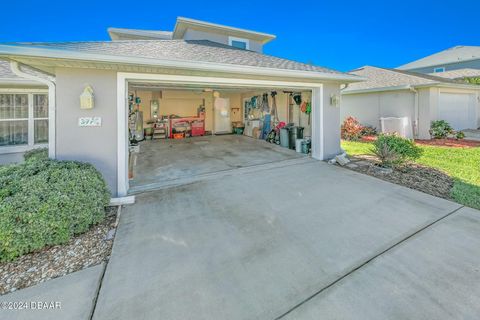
[400, 126]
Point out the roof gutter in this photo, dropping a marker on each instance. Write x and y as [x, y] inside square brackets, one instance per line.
[14, 66]
[382, 89]
[34, 52]
[413, 87]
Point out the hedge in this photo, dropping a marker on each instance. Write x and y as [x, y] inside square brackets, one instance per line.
[45, 202]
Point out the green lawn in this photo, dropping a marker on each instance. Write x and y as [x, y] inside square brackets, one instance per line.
[462, 164]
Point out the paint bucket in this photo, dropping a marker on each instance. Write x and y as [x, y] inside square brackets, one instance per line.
[306, 145]
[298, 145]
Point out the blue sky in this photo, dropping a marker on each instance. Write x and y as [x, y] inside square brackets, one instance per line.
[342, 35]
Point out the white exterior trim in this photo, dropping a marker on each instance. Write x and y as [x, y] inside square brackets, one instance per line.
[30, 120]
[247, 42]
[317, 119]
[122, 127]
[22, 90]
[51, 104]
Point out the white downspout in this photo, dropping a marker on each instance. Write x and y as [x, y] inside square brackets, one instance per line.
[416, 113]
[51, 104]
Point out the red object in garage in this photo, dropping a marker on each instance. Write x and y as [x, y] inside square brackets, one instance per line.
[198, 128]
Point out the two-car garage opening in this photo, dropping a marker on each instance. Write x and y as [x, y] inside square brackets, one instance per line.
[182, 131]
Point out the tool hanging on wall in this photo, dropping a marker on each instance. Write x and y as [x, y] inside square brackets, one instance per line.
[265, 107]
[274, 111]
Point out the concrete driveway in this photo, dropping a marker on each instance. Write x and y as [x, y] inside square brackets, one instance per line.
[298, 241]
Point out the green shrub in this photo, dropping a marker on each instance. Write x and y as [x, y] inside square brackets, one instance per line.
[459, 135]
[393, 150]
[36, 154]
[440, 129]
[45, 202]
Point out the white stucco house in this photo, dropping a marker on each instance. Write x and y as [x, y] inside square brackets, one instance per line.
[421, 98]
[455, 58]
[195, 64]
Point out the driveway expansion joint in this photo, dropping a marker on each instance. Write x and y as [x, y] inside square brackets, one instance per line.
[368, 261]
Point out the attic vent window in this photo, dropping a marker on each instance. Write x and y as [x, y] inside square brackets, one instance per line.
[239, 43]
[440, 69]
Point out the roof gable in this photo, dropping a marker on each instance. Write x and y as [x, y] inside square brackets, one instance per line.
[183, 24]
[451, 55]
[382, 78]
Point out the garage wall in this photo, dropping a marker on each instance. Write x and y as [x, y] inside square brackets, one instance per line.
[299, 118]
[185, 104]
[96, 145]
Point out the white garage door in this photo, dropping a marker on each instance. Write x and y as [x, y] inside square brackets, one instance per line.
[457, 109]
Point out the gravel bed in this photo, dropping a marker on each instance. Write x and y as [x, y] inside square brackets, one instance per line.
[82, 251]
[414, 176]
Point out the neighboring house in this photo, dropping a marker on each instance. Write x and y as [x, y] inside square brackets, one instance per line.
[421, 98]
[200, 59]
[459, 57]
[458, 74]
[23, 115]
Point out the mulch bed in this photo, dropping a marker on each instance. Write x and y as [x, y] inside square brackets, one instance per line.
[414, 176]
[82, 251]
[449, 142]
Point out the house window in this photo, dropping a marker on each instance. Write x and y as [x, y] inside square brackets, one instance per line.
[23, 119]
[439, 69]
[239, 43]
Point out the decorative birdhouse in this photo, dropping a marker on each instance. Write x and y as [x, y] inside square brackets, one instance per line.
[87, 98]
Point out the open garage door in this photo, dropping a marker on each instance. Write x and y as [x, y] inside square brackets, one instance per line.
[182, 133]
[457, 109]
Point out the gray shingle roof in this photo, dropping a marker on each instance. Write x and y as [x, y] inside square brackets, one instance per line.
[190, 50]
[383, 78]
[451, 55]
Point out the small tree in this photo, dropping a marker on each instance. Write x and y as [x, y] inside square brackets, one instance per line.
[351, 129]
[394, 151]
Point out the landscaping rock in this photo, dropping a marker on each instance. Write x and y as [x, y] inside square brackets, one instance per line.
[82, 251]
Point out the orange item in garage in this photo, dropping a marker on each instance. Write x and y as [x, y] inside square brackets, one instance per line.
[178, 135]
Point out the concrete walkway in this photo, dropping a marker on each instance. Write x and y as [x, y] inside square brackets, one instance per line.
[70, 297]
[275, 243]
[434, 275]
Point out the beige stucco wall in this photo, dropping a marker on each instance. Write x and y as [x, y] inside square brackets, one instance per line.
[97, 145]
[331, 121]
[368, 108]
[191, 34]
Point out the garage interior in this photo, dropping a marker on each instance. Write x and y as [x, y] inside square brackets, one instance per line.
[178, 132]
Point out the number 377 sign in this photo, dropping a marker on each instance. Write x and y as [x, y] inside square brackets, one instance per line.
[90, 122]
